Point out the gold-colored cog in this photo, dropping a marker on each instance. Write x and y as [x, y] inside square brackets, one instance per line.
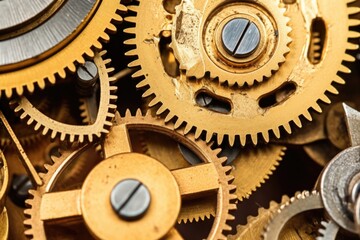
[255, 224]
[87, 39]
[70, 132]
[118, 145]
[260, 111]
[201, 53]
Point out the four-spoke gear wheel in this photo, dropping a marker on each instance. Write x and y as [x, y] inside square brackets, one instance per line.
[167, 188]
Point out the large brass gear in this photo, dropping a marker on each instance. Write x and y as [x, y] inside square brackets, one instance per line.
[70, 132]
[200, 53]
[117, 145]
[260, 111]
[86, 37]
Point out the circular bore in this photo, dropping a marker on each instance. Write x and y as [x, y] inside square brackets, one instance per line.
[98, 213]
[256, 45]
[130, 199]
[17, 12]
[240, 37]
[334, 187]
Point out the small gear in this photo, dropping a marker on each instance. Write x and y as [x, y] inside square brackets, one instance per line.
[255, 224]
[116, 147]
[207, 52]
[328, 230]
[36, 52]
[242, 114]
[278, 227]
[80, 133]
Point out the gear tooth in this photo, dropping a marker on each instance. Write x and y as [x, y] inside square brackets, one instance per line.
[62, 136]
[130, 19]
[169, 117]
[266, 136]
[325, 99]
[45, 131]
[161, 109]
[351, 46]
[53, 134]
[142, 84]
[62, 73]
[131, 52]
[198, 132]
[307, 115]
[339, 80]
[276, 132]
[153, 102]
[317, 108]
[349, 58]
[354, 22]
[287, 128]
[72, 138]
[133, 8]
[130, 41]
[208, 136]
[91, 138]
[81, 138]
[112, 29]
[220, 138]
[242, 139]
[231, 140]
[138, 74]
[177, 124]
[134, 63]
[298, 123]
[344, 69]
[187, 128]
[130, 31]
[110, 70]
[333, 90]
[30, 121]
[8, 92]
[23, 116]
[353, 10]
[254, 138]
[353, 34]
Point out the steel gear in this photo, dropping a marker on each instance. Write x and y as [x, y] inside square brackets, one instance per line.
[35, 52]
[328, 230]
[255, 224]
[260, 111]
[117, 145]
[81, 133]
[301, 203]
[201, 53]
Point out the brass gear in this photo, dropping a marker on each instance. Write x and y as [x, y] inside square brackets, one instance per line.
[200, 53]
[258, 111]
[288, 222]
[255, 224]
[62, 58]
[70, 132]
[116, 146]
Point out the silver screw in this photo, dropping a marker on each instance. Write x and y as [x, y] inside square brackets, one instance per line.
[87, 76]
[240, 37]
[130, 199]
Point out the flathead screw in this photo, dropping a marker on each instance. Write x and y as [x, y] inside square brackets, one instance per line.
[130, 199]
[87, 76]
[240, 37]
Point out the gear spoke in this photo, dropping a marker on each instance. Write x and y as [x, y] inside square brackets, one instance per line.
[67, 206]
[202, 175]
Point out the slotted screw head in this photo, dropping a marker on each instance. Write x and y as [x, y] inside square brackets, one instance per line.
[130, 199]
